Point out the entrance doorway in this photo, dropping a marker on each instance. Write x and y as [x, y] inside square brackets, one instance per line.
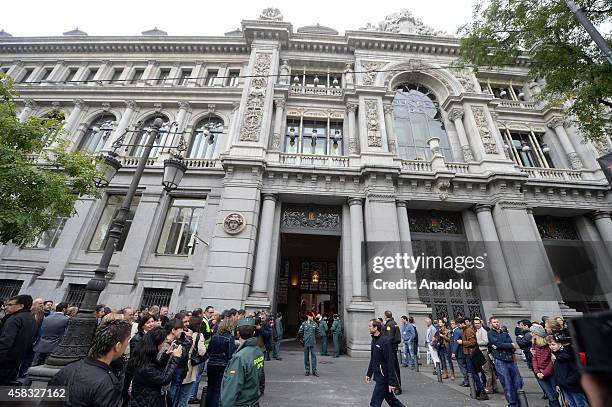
[308, 278]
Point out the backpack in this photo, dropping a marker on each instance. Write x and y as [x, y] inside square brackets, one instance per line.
[195, 358]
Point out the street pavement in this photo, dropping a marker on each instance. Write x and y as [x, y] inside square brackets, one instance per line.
[341, 383]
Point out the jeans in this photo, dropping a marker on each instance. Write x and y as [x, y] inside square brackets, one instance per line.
[213, 392]
[472, 370]
[409, 351]
[577, 399]
[510, 379]
[381, 392]
[463, 368]
[198, 380]
[445, 359]
[323, 345]
[312, 352]
[180, 393]
[276, 349]
[548, 385]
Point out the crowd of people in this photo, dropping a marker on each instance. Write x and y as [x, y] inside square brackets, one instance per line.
[145, 357]
[148, 358]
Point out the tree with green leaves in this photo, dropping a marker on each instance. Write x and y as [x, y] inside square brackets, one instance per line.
[40, 179]
[558, 48]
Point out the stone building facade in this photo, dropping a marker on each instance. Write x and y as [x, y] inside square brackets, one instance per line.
[301, 145]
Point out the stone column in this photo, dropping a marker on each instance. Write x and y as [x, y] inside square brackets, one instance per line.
[495, 257]
[556, 123]
[264, 244]
[30, 105]
[278, 124]
[456, 116]
[73, 118]
[390, 126]
[412, 296]
[182, 113]
[356, 212]
[603, 223]
[351, 108]
[130, 107]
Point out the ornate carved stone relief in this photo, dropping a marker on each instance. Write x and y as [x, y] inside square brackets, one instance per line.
[370, 71]
[253, 115]
[373, 123]
[465, 78]
[487, 138]
[234, 223]
[319, 218]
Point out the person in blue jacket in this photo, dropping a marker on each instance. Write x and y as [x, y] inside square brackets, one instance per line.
[457, 352]
[502, 349]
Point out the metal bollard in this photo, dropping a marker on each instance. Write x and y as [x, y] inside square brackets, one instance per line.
[522, 398]
[439, 372]
[472, 386]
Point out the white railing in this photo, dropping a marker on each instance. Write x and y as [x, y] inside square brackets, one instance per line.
[200, 163]
[129, 161]
[313, 160]
[416, 165]
[306, 90]
[459, 168]
[551, 173]
[518, 104]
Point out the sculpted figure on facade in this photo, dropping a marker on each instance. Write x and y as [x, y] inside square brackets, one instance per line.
[487, 138]
[253, 115]
[349, 75]
[370, 71]
[403, 22]
[234, 223]
[271, 14]
[284, 75]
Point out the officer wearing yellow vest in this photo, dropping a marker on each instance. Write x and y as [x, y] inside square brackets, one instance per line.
[242, 377]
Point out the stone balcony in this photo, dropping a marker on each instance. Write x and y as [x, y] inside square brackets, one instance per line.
[313, 160]
[318, 91]
[553, 174]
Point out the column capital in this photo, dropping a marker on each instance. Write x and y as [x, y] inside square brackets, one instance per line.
[556, 121]
[80, 103]
[401, 204]
[269, 197]
[351, 107]
[31, 103]
[280, 103]
[105, 106]
[482, 208]
[355, 201]
[456, 113]
[388, 108]
[599, 215]
[131, 104]
[183, 104]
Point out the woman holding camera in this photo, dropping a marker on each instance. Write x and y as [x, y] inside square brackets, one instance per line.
[150, 373]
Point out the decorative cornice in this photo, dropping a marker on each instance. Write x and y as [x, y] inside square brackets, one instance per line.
[512, 204]
[379, 197]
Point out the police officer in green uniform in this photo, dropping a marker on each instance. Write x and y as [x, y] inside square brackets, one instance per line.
[324, 335]
[243, 374]
[310, 329]
[336, 330]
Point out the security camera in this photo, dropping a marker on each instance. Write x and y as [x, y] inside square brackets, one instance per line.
[194, 240]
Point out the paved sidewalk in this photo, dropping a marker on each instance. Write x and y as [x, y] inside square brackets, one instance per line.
[341, 384]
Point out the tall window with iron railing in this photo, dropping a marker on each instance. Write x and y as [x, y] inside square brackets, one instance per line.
[506, 91]
[180, 225]
[205, 139]
[97, 134]
[527, 149]
[314, 136]
[311, 79]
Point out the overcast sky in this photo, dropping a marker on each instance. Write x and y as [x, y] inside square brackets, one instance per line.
[187, 17]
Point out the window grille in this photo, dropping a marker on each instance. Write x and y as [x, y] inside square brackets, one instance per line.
[9, 288]
[156, 296]
[75, 294]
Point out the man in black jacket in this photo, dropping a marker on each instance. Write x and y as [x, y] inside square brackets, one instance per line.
[90, 381]
[382, 368]
[18, 332]
[392, 330]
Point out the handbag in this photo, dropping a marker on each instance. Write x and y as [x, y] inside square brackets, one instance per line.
[195, 358]
[478, 359]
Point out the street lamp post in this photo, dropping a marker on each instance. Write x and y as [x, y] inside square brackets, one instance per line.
[80, 331]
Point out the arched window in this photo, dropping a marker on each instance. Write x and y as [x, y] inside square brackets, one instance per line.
[417, 119]
[140, 140]
[97, 133]
[206, 138]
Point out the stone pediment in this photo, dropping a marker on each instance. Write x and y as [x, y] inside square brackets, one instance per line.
[403, 22]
